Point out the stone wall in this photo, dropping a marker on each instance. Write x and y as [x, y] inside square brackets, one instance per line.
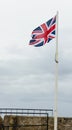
[18, 123]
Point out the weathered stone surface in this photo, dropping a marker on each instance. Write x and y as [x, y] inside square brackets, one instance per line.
[10, 122]
[1, 123]
[64, 123]
[24, 122]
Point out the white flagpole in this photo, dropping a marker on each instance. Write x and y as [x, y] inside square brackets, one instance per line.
[56, 78]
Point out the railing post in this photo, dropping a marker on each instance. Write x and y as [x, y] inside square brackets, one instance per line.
[47, 121]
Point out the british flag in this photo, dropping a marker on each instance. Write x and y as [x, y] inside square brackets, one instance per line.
[44, 33]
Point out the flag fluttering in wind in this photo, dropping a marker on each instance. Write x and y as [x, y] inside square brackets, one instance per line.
[44, 33]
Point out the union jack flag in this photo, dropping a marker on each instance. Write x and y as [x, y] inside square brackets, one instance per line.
[44, 33]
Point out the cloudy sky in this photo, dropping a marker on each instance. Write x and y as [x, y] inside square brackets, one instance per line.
[27, 74]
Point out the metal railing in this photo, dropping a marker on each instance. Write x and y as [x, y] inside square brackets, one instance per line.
[23, 111]
[26, 112]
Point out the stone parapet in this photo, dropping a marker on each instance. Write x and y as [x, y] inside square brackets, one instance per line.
[11, 122]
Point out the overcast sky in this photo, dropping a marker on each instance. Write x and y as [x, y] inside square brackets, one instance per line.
[27, 74]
